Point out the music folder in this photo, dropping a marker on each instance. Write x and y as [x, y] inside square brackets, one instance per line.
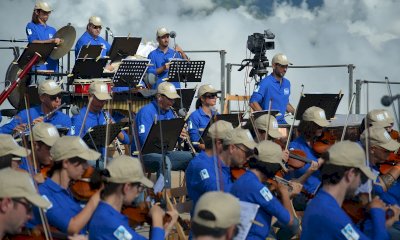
[123, 47]
[327, 101]
[95, 136]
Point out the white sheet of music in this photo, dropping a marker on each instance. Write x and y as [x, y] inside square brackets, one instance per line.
[248, 212]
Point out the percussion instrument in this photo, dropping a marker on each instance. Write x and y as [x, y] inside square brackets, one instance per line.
[67, 35]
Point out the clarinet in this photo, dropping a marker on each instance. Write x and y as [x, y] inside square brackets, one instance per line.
[117, 144]
[189, 143]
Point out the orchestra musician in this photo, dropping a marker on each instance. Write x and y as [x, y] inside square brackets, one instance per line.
[17, 197]
[342, 173]
[124, 180]
[9, 149]
[274, 87]
[161, 57]
[50, 98]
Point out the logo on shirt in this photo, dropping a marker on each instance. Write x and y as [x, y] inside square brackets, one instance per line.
[349, 232]
[257, 88]
[142, 129]
[72, 130]
[51, 204]
[267, 195]
[286, 91]
[29, 31]
[50, 35]
[122, 233]
[190, 125]
[204, 174]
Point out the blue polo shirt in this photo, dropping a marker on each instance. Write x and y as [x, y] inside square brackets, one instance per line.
[159, 59]
[107, 223]
[325, 219]
[313, 182]
[249, 189]
[271, 88]
[198, 119]
[86, 38]
[201, 176]
[42, 32]
[63, 206]
[59, 119]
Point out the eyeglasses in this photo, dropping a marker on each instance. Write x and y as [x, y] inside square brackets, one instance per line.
[54, 97]
[211, 95]
[28, 206]
[141, 187]
[97, 27]
[247, 151]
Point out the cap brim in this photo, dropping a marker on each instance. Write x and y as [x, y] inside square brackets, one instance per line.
[49, 141]
[53, 91]
[172, 95]
[145, 181]
[367, 171]
[322, 123]
[392, 145]
[39, 201]
[274, 133]
[103, 96]
[90, 155]
[20, 152]
[381, 124]
[250, 144]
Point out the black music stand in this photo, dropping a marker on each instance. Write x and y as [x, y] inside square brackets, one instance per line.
[232, 118]
[44, 49]
[182, 70]
[123, 47]
[88, 68]
[130, 72]
[91, 51]
[328, 102]
[95, 136]
[186, 95]
[258, 114]
[171, 129]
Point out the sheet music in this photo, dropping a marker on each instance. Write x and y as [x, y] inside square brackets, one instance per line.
[248, 212]
[158, 186]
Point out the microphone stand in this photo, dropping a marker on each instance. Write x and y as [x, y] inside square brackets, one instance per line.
[398, 104]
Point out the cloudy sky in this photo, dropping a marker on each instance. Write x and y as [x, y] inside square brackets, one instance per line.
[314, 32]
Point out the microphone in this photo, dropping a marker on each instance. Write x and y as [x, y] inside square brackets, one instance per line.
[182, 112]
[111, 33]
[74, 110]
[388, 100]
[172, 34]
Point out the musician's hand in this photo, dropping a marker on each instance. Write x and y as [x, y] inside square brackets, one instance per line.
[178, 49]
[321, 161]
[282, 189]
[285, 155]
[184, 134]
[202, 146]
[39, 178]
[166, 66]
[395, 217]
[313, 167]
[296, 188]
[20, 128]
[109, 68]
[78, 237]
[377, 203]
[157, 214]
[38, 120]
[57, 40]
[172, 219]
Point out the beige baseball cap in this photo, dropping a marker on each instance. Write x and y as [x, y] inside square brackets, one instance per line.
[317, 115]
[219, 129]
[240, 136]
[162, 31]
[207, 88]
[68, 147]
[380, 118]
[125, 169]
[50, 87]
[100, 90]
[18, 184]
[223, 206]
[168, 89]
[349, 154]
[10, 146]
[46, 133]
[43, 6]
[388, 116]
[281, 59]
[262, 121]
[378, 136]
[269, 152]
[95, 21]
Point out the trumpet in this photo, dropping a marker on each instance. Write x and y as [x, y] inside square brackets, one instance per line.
[186, 140]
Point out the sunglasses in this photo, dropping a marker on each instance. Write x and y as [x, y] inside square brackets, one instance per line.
[28, 206]
[211, 95]
[97, 27]
[54, 97]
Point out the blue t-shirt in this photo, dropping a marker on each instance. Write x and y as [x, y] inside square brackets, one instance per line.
[249, 189]
[42, 32]
[198, 119]
[86, 38]
[159, 59]
[325, 219]
[107, 223]
[272, 89]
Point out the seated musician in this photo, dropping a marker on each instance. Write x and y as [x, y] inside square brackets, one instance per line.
[199, 119]
[378, 117]
[124, 180]
[92, 37]
[342, 173]
[17, 197]
[70, 155]
[234, 149]
[161, 57]
[216, 216]
[250, 187]
[50, 98]
[10, 149]
[160, 109]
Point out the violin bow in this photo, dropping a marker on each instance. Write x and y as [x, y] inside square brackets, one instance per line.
[85, 117]
[294, 118]
[269, 116]
[347, 117]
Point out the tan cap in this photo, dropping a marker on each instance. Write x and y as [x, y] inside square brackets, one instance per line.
[379, 117]
[262, 121]
[43, 6]
[162, 31]
[224, 206]
[125, 169]
[219, 129]
[240, 136]
[167, 89]
[18, 184]
[388, 116]
[46, 133]
[68, 147]
[269, 152]
[95, 20]
[281, 59]
[317, 115]
[10, 146]
[349, 154]
[50, 87]
[100, 90]
[378, 136]
[207, 88]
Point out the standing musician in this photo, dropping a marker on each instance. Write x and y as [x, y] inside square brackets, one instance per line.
[39, 32]
[250, 187]
[123, 181]
[206, 100]
[92, 37]
[160, 109]
[17, 197]
[216, 216]
[70, 155]
[50, 98]
[342, 173]
[9, 149]
[274, 87]
[160, 57]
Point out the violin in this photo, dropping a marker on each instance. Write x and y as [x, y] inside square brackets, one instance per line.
[324, 142]
[395, 135]
[297, 159]
[237, 172]
[37, 234]
[81, 189]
